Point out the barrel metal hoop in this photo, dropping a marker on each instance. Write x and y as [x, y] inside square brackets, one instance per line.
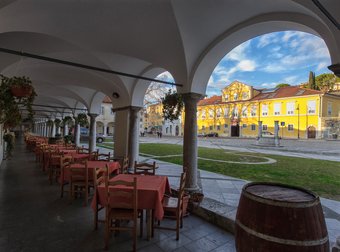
[280, 240]
[281, 203]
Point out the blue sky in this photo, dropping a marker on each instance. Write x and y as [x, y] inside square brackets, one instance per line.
[270, 59]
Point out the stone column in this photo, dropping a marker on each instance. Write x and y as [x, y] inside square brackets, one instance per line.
[53, 130]
[105, 129]
[259, 130]
[133, 146]
[276, 133]
[65, 130]
[190, 140]
[77, 134]
[93, 134]
[121, 134]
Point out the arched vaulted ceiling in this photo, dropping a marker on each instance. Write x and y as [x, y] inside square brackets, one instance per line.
[141, 37]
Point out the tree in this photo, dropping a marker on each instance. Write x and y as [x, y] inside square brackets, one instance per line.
[282, 85]
[311, 81]
[325, 82]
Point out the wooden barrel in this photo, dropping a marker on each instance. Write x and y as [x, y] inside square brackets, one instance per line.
[276, 217]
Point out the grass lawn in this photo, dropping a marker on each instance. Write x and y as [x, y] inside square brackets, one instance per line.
[322, 177]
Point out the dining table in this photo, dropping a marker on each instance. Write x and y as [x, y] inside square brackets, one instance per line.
[114, 167]
[150, 191]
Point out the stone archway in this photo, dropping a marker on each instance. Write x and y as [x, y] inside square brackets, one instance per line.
[311, 132]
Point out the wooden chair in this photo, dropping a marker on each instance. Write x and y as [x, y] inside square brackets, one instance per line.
[94, 155]
[79, 182]
[65, 163]
[121, 205]
[54, 166]
[175, 206]
[145, 168]
[100, 175]
[125, 165]
[83, 150]
[104, 157]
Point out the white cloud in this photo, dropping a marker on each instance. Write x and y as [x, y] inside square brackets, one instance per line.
[273, 68]
[268, 85]
[266, 39]
[238, 53]
[290, 79]
[246, 65]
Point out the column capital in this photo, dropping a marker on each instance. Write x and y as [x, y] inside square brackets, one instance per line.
[192, 97]
[93, 115]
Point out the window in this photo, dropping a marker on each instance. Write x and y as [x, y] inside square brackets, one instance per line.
[244, 126]
[264, 109]
[218, 127]
[311, 107]
[290, 127]
[226, 97]
[264, 127]
[226, 112]
[211, 113]
[203, 127]
[244, 112]
[225, 126]
[203, 114]
[245, 95]
[253, 111]
[290, 108]
[253, 127]
[218, 112]
[101, 110]
[329, 109]
[235, 97]
[235, 112]
[277, 108]
[210, 127]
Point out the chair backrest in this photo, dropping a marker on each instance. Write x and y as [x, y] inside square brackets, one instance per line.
[100, 175]
[103, 156]
[83, 150]
[122, 194]
[145, 168]
[181, 192]
[94, 155]
[78, 174]
[125, 165]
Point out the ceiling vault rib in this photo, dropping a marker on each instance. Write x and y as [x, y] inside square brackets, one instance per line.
[74, 64]
[50, 106]
[326, 13]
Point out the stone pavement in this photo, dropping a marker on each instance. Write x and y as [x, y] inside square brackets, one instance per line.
[222, 193]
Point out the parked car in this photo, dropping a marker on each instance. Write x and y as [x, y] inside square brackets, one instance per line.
[84, 135]
[212, 134]
[267, 133]
[201, 135]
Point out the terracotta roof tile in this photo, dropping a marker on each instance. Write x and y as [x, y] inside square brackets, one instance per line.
[291, 91]
[210, 100]
[107, 100]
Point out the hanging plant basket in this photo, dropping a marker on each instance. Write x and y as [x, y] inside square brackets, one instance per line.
[21, 90]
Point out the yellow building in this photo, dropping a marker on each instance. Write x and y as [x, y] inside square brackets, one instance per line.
[300, 112]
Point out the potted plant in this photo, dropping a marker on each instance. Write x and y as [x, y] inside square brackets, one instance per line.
[9, 140]
[21, 86]
[172, 105]
[57, 122]
[67, 120]
[10, 105]
[82, 120]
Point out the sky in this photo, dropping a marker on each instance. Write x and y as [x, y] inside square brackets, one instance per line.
[271, 59]
[268, 60]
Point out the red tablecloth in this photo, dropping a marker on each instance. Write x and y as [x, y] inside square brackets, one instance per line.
[151, 190]
[91, 165]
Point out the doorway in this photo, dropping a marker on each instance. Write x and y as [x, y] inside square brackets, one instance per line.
[311, 132]
[235, 130]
